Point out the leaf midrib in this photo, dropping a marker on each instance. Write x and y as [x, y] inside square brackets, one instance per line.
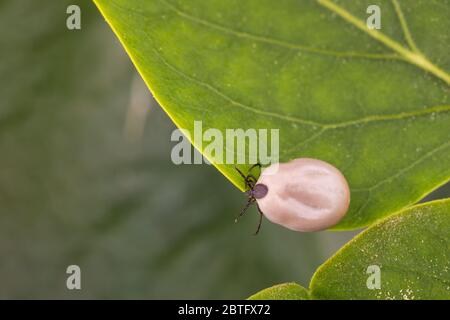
[415, 58]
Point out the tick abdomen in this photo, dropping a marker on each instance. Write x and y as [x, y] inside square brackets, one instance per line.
[304, 195]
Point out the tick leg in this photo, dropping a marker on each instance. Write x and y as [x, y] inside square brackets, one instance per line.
[250, 181]
[252, 177]
[250, 184]
[240, 172]
[247, 181]
[260, 220]
[249, 203]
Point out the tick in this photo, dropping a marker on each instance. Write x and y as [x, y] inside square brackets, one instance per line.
[302, 195]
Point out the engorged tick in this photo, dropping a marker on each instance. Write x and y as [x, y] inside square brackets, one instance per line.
[302, 195]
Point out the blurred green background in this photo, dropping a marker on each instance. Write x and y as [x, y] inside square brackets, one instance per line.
[86, 179]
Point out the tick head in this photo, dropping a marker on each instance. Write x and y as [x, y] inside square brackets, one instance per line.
[259, 191]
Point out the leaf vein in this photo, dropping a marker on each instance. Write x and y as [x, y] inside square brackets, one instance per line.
[368, 119]
[404, 24]
[413, 58]
[277, 42]
[406, 169]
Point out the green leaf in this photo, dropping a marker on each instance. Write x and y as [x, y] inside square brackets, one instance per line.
[79, 185]
[285, 291]
[412, 250]
[373, 103]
